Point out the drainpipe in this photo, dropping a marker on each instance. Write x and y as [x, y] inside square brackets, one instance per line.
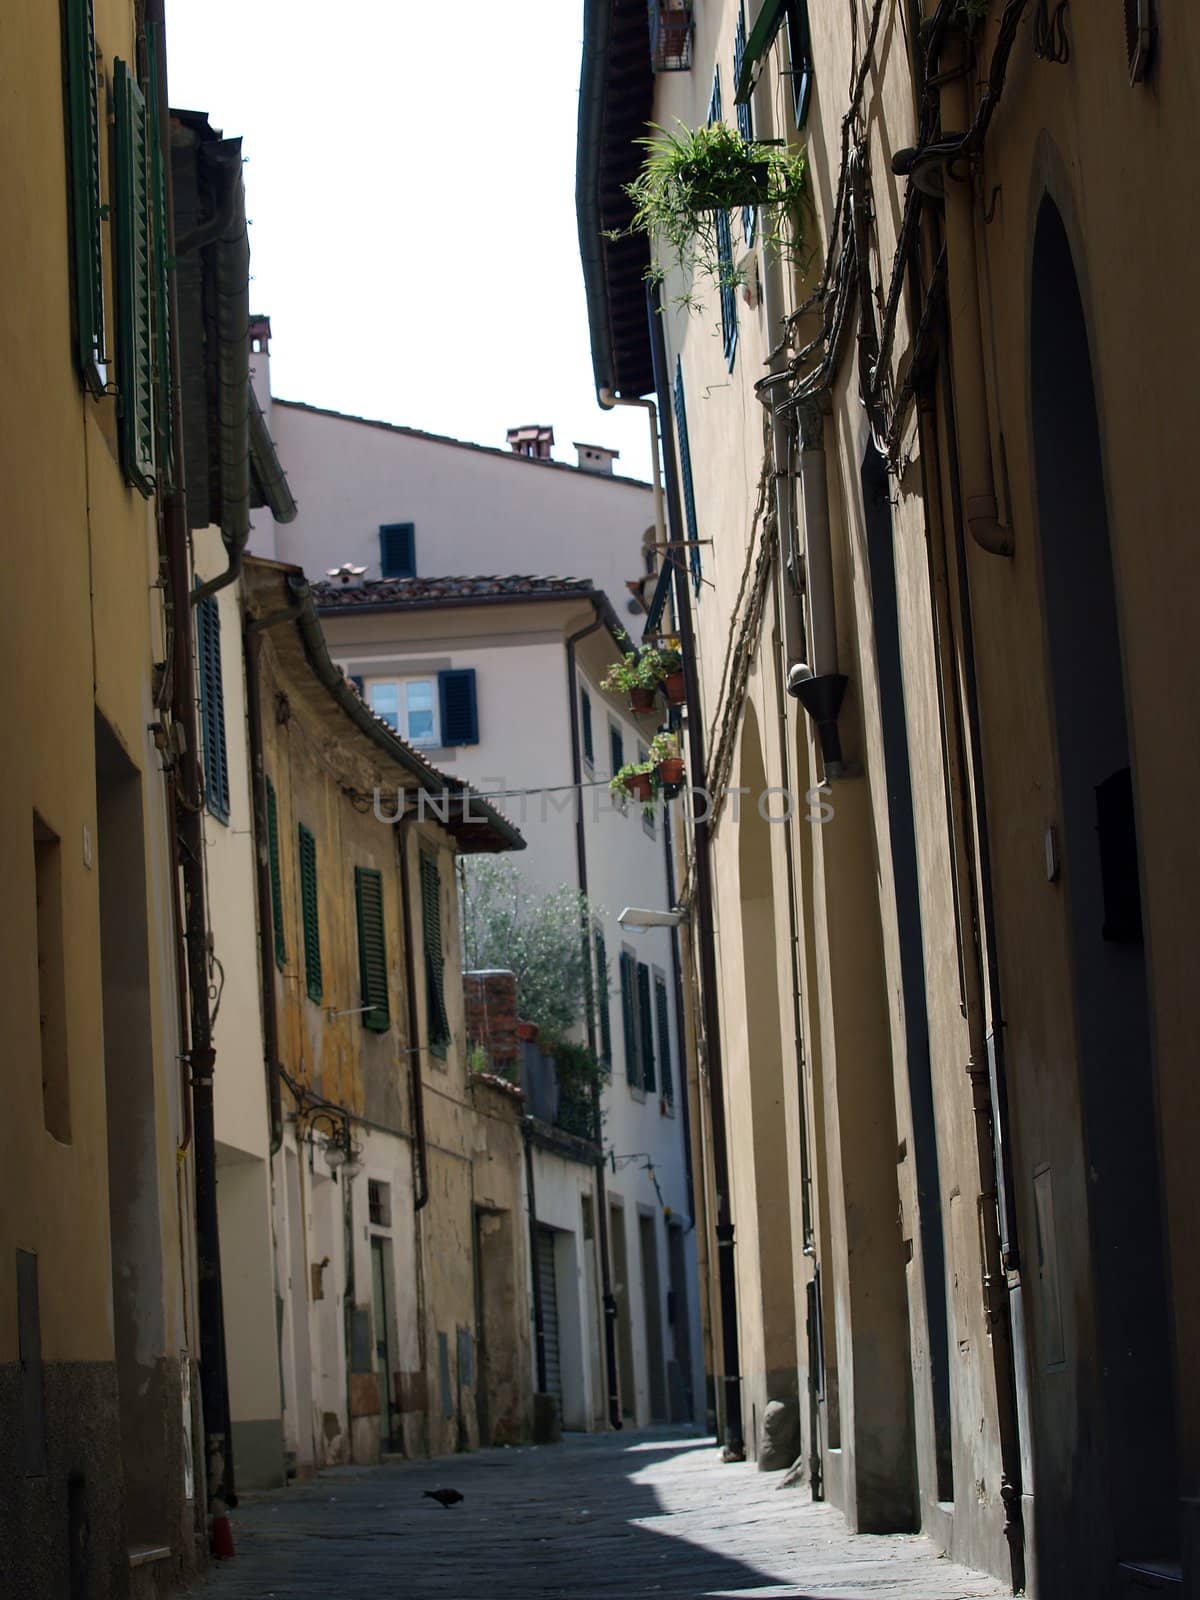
[735, 1444]
[608, 399]
[188, 785]
[253, 631]
[416, 1082]
[608, 1298]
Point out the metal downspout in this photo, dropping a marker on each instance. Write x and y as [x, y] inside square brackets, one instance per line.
[189, 788]
[416, 1082]
[608, 1299]
[735, 1444]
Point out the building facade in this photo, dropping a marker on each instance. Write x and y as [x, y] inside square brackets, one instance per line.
[937, 593]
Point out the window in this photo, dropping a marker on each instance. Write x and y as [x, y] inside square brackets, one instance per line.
[379, 1203]
[83, 120]
[605, 1039]
[276, 878]
[398, 550]
[800, 51]
[212, 708]
[645, 1027]
[372, 949]
[745, 120]
[438, 1023]
[310, 915]
[685, 473]
[616, 747]
[134, 275]
[728, 287]
[629, 1028]
[585, 719]
[664, 1039]
[432, 711]
[51, 981]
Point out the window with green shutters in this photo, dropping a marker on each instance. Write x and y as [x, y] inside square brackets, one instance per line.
[164, 453]
[212, 709]
[435, 964]
[628, 970]
[645, 1018]
[585, 718]
[83, 152]
[665, 1078]
[134, 273]
[276, 877]
[372, 949]
[310, 918]
[605, 1015]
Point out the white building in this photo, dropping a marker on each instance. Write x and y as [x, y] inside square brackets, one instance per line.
[496, 679]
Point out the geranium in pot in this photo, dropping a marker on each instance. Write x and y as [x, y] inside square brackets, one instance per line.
[668, 763]
[637, 674]
[636, 780]
[671, 663]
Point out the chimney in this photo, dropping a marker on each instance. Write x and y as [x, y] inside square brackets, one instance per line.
[260, 361]
[533, 440]
[347, 576]
[490, 1001]
[596, 458]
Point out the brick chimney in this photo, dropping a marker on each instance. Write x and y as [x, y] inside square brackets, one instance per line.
[490, 1001]
[534, 440]
[596, 457]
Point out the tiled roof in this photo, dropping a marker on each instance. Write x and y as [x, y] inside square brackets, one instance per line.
[398, 592]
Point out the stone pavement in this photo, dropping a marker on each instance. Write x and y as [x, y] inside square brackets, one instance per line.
[648, 1513]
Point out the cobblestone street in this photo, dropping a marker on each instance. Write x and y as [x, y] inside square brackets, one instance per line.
[634, 1514]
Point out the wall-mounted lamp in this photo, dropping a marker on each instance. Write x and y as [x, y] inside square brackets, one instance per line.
[644, 917]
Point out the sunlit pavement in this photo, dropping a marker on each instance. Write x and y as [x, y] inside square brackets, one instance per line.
[629, 1514]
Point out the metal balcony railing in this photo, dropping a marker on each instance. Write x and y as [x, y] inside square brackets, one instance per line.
[670, 37]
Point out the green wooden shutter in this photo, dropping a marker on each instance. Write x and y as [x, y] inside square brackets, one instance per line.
[212, 708]
[459, 710]
[629, 1019]
[276, 877]
[645, 1026]
[372, 949]
[133, 274]
[164, 448]
[585, 712]
[310, 917]
[398, 550]
[431, 926]
[83, 122]
[664, 1040]
[602, 998]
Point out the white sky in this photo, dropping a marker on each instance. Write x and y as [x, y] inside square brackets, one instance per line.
[410, 182]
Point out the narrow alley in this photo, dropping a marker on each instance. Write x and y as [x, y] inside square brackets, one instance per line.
[645, 1513]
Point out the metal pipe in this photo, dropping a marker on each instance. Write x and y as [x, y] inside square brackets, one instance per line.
[214, 1384]
[608, 399]
[735, 1443]
[416, 1081]
[608, 1299]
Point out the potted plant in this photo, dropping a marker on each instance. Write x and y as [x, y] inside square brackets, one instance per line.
[638, 674]
[691, 175]
[635, 781]
[668, 763]
[672, 674]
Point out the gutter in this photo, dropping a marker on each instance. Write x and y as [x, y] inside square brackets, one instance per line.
[267, 471]
[735, 1444]
[597, 31]
[608, 1298]
[415, 1051]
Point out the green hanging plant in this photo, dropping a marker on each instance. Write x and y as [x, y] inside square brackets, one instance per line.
[691, 176]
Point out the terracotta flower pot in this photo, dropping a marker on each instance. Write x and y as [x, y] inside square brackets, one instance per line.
[641, 701]
[670, 770]
[640, 787]
[673, 684]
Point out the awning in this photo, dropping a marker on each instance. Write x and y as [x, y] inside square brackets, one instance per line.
[762, 36]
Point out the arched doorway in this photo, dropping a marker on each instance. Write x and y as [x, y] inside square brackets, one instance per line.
[1129, 1421]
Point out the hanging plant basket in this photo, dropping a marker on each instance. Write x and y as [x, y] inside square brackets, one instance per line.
[670, 771]
[675, 688]
[747, 184]
[642, 702]
[640, 787]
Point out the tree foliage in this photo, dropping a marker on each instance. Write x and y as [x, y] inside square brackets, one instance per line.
[540, 937]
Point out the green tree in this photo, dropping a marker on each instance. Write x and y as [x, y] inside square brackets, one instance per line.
[539, 937]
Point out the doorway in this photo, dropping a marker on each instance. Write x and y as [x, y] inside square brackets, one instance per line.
[683, 1393]
[620, 1289]
[652, 1304]
[381, 1305]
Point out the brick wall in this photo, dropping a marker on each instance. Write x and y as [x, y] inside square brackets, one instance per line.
[490, 1001]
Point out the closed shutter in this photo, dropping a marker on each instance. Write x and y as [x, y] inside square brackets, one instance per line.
[585, 717]
[745, 120]
[134, 275]
[212, 708]
[800, 50]
[645, 1026]
[616, 749]
[372, 949]
[398, 550]
[431, 927]
[629, 1019]
[276, 877]
[310, 914]
[164, 452]
[685, 473]
[665, 1076]
[602, 999]
[83, 118]
[548, 1292]
[456, 695]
